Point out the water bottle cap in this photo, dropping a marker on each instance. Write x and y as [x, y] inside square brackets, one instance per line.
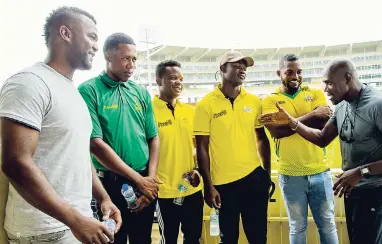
[125, 187]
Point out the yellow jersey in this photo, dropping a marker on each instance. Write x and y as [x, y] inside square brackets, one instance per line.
[231, 131]
[297, 156]
[176, 152]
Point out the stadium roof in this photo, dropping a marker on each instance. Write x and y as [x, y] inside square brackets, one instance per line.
[194, 54]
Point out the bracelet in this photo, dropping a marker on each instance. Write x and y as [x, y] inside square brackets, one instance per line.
[298, 122]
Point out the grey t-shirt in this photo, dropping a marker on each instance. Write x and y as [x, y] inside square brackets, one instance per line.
[365, 114]
[43, 99]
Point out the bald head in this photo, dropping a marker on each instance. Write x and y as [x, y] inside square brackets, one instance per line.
[341, 67]
[341, 80]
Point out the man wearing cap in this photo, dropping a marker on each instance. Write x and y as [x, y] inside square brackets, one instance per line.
[231, 146]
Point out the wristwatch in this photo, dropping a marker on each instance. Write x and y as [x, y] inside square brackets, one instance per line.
[365, 171]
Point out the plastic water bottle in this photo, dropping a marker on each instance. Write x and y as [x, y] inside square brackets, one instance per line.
[214, 222]
[129, 195]
[183, 187]
[110, 225]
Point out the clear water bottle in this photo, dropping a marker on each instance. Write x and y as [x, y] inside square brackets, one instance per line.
[183, 187]
[129, 195]
[214, 222]
[110, 225]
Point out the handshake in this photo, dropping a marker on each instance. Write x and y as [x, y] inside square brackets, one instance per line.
[282, 117]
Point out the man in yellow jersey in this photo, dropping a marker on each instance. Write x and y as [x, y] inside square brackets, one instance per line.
[230, 149]
[357, 120]
[180, 198]
[303, 176]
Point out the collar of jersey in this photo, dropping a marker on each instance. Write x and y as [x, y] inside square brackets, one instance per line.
[220, 94]
[163, 103]
[111, 83]
[278, 91]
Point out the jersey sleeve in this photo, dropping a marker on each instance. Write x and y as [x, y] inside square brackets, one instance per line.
[258, 107]
[377, 111]
[268, 105]
[202, 120]
[333, 119]
[25, 99]
[89, 95]
[319, 99]
[151, 125]
[192, 117]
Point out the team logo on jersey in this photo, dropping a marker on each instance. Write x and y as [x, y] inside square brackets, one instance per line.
[185, 120]
[165, 123]
[221, 113]
[247, 109]
[308, 98]
[114, 106]
[137, 105]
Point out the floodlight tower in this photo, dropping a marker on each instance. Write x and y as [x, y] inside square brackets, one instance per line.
[147, 35]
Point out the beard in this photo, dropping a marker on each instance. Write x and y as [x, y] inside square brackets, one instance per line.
[80, 60]
[290, 85]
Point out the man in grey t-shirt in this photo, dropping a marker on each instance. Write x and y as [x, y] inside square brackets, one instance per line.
[358, 122]
[45, 130]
